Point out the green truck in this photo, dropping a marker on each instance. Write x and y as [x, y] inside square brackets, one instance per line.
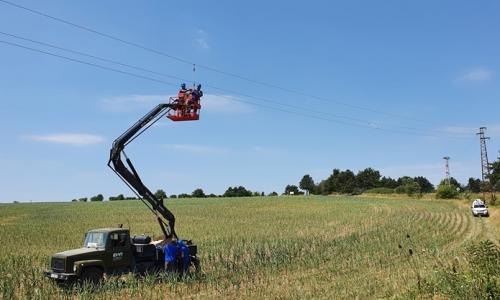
[112, 251]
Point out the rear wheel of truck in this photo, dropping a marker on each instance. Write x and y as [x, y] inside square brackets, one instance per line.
[91, 275]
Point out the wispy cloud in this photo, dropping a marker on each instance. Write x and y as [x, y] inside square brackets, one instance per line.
[202, 39]
[476, 75]
[76, 139]
[210, 102]
[197, 149]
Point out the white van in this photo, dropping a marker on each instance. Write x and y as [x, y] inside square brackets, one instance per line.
[479, 208]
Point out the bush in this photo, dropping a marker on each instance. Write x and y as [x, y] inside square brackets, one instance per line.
[412, 188]
[83, 199]
[445, 191]
[380, 190]
[272, 194]
[476, 278]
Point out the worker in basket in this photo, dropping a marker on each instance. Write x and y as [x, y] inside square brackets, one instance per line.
[181, 96]
[194, 99]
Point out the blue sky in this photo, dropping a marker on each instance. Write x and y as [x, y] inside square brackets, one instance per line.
[427, 69]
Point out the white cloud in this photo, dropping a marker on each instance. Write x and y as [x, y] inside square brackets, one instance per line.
[77, 139]
[196, 149]
[201, 39]
[480, 74]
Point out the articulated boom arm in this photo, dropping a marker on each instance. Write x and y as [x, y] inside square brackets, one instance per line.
[129, 174]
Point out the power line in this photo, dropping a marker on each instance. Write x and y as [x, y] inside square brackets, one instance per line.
[230, 98]
[216, 70]
[365, 122]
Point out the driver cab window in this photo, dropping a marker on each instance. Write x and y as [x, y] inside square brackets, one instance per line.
[118, 240]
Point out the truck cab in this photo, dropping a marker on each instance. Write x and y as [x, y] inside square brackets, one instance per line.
[112, 251]
[105, 250]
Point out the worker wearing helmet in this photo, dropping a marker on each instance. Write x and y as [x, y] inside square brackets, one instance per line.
[182, 94]
[197, 94]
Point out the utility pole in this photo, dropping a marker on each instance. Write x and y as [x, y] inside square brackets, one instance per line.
[447, 170]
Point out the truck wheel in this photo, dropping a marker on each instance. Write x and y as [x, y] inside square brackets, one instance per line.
[91, 275]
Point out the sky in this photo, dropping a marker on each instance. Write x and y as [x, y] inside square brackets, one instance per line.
[392, 85]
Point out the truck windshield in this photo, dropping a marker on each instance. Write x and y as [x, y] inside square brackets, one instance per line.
[95, 240]
[478, 206]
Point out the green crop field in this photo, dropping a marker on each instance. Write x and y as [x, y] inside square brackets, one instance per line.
[259, 247]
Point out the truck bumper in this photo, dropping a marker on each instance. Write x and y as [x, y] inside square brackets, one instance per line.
[61, 277]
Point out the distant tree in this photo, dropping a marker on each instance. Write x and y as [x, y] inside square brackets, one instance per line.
[160, 194]
[425, 185]
[97, 198]
[15, 202]
[117, 198]
[83, 199]
[184, 195]
[212, 195]
[173, 196]
[272, 194]
[474, 185]
[495, 172]
[307, 183]
[198, 193]
[256, 194]
[239, 191]
[445, 191]
[453, 182]
[496, 187]
[262, 194]
[367, 179]
[292, 190]
[74, 200]
[346, 182]
[331, 184]
[404, 180]
[388, 182]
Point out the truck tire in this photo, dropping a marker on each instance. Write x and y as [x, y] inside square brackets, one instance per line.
[91, 275]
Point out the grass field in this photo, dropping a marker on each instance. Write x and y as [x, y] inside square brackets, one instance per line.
[273, 247]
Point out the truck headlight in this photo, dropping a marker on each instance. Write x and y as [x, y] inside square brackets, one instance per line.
[74, 268]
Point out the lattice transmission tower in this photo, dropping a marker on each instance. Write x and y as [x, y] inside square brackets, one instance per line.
[485, 164]
[447, 170]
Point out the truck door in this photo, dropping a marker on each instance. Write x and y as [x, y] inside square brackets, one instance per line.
[119, 252]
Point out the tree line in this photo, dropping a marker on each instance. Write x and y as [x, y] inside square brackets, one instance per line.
[370, 180]
[339, 181]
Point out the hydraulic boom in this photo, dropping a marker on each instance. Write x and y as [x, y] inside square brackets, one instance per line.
[129, 174]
